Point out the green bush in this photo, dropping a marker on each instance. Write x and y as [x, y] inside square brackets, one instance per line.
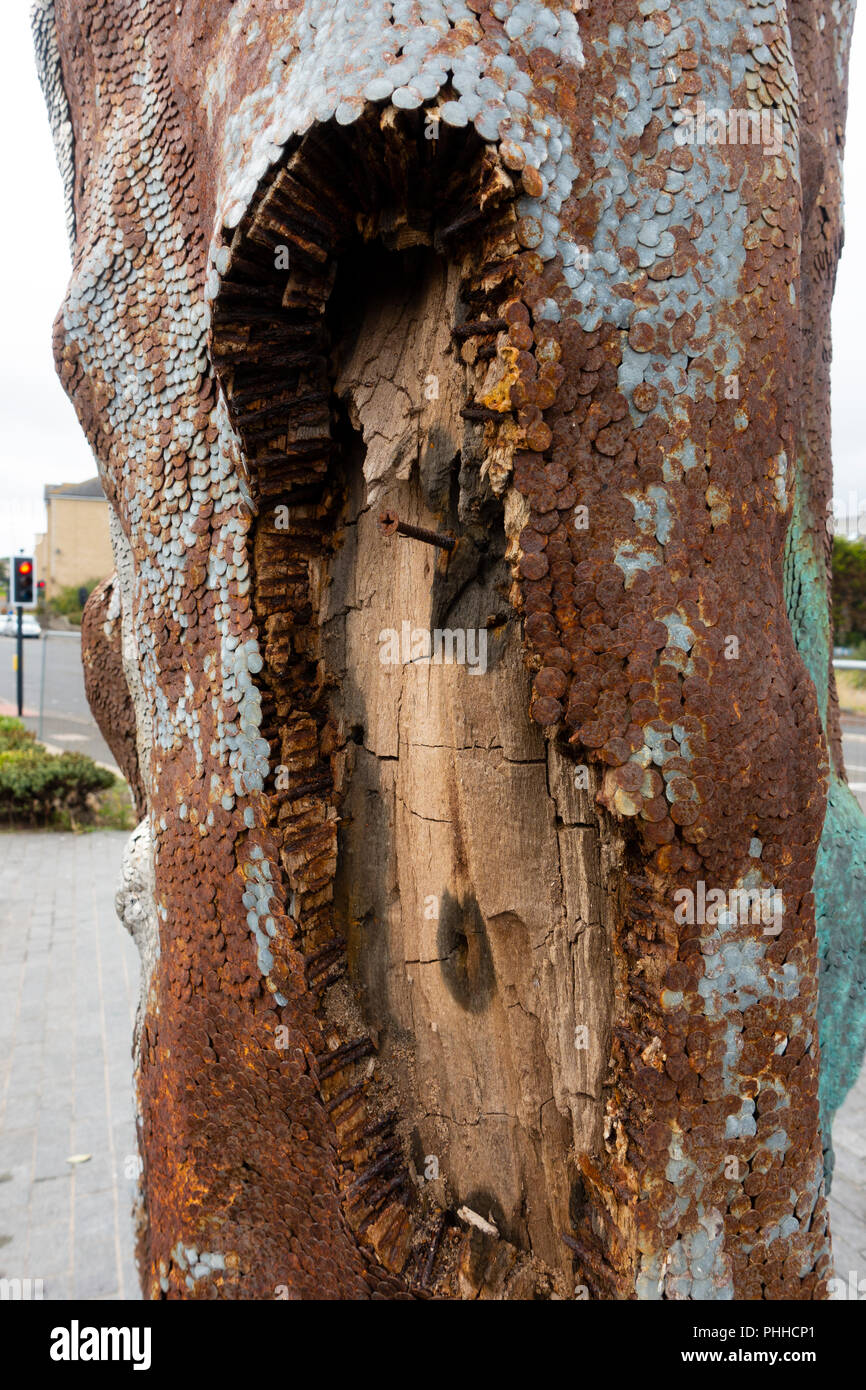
[849, 591]
[67, 602]
[35, 785]
[13, 735]
[69, 791]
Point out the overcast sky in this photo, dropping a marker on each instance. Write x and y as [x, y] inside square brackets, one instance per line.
[41, 441]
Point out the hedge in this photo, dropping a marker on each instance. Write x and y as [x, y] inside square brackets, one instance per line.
[849, 591]
[35, 785]
[13, 735]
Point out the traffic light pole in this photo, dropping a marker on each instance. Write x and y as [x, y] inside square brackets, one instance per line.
[20, 661]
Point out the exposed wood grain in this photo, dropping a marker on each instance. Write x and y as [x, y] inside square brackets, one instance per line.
[478, 978]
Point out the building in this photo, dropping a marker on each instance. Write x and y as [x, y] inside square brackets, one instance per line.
[75, 548]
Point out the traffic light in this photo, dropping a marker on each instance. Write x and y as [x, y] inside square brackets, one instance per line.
[23, 581]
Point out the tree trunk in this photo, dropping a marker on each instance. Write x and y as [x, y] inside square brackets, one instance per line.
[478, 890]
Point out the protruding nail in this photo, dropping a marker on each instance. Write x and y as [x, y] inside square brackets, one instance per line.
[390, 525]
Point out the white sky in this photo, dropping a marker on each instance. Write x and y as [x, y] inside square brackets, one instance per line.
[40, 440]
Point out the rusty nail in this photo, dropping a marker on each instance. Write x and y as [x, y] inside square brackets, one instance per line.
[478, 327]
[433, 1250]
[390, 525]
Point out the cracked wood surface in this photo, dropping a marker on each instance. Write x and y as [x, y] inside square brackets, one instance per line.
[475, 981]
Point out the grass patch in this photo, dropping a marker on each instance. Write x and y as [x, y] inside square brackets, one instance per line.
[851, 689]
[114, 809]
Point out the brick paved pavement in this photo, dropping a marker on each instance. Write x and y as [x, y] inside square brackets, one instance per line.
[68, 988]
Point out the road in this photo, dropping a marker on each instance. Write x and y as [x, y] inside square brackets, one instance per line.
[68, 722]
